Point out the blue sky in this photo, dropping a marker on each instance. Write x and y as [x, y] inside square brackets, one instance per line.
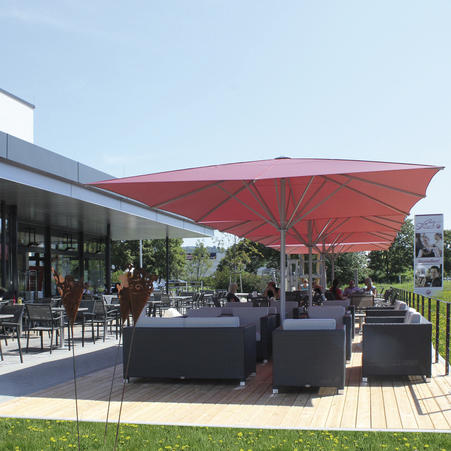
[144, 86]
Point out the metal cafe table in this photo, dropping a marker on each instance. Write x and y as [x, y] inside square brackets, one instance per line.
[61, 318]
[6, 316]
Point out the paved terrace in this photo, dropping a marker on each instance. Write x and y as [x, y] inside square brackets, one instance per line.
[43, 388]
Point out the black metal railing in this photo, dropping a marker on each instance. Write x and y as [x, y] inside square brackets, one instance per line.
[438, 313]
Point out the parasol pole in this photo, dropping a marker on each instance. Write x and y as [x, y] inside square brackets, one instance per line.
[282, 251]
[310, 284]
[333, 264]
[141, 253]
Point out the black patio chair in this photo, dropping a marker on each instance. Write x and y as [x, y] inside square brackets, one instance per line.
[216, 300]
[101, 317]
[165, 304]
[41, 319]
[82, 319]
[260, 301]
[10, 325]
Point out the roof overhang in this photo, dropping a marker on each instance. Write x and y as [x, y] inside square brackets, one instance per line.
[43, 198]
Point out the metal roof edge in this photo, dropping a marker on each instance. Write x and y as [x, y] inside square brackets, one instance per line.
[17, 98]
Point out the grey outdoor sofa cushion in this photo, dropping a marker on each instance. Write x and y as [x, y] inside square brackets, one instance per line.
[204, 312]
[309, 324]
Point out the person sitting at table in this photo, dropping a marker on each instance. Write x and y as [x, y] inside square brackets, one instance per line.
[317, 288]
[336, 291]
[304, 285]
[231, 296]
[369, 287]
[271, 291]
[86, 289]
[351, 288]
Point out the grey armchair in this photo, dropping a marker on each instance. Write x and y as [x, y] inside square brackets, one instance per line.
[309, 352]
[397, 346]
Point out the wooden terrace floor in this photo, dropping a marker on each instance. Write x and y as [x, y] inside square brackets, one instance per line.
[395, 404]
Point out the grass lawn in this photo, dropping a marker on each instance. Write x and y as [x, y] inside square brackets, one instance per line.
[24, 434]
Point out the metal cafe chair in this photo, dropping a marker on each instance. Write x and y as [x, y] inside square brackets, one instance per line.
[103, 318]
[82, 319]
[10, 325]
[165, 304]
[41, 319]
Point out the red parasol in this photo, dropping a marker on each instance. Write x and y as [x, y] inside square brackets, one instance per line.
[282, 193]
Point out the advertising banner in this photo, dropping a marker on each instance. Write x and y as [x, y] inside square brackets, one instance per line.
[428, 258]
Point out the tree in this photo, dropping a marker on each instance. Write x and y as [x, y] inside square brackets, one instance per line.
[346, 264]
[246, 255]
[200, 262]
[388, 265]
[154, 256]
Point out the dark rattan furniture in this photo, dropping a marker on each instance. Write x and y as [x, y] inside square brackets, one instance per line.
[314, 358]
[190, 352]
[396, 348]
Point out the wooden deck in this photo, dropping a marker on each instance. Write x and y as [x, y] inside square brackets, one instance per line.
[394, 404]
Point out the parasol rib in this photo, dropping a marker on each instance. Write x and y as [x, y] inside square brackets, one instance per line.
[382, 185]
[367, 196]
[325, 199]
[300, 200]
[221, 203]
[381, 224]
[249, 208]
[258, 197]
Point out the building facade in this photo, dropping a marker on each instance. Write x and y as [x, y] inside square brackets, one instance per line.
[50, 218]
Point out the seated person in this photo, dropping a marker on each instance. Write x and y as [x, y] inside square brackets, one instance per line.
[304, 285]
[231, 296]
[369, 287]
[336, 291]
[317, 288]
[86, 289]
[271, 291]
[351, 288]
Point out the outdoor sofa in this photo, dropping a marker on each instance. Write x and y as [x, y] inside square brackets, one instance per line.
[397, 345]
[194, 348]
[264, 319]
[309, 352]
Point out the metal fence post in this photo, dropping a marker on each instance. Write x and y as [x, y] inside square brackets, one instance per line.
[422, 305]
[447, 339]
[437, 328]
[429, 309]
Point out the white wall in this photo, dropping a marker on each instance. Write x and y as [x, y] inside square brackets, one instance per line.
[16, 117]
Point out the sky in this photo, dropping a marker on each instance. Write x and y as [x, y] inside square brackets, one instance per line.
[146, 86]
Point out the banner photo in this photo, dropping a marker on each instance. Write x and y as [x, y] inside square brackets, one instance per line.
[428, 258]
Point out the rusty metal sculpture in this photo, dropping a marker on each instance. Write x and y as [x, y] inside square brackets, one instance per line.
[71, 292]
[134, 291]
[135, 288]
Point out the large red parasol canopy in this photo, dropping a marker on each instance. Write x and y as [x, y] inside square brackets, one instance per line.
[283, 193]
